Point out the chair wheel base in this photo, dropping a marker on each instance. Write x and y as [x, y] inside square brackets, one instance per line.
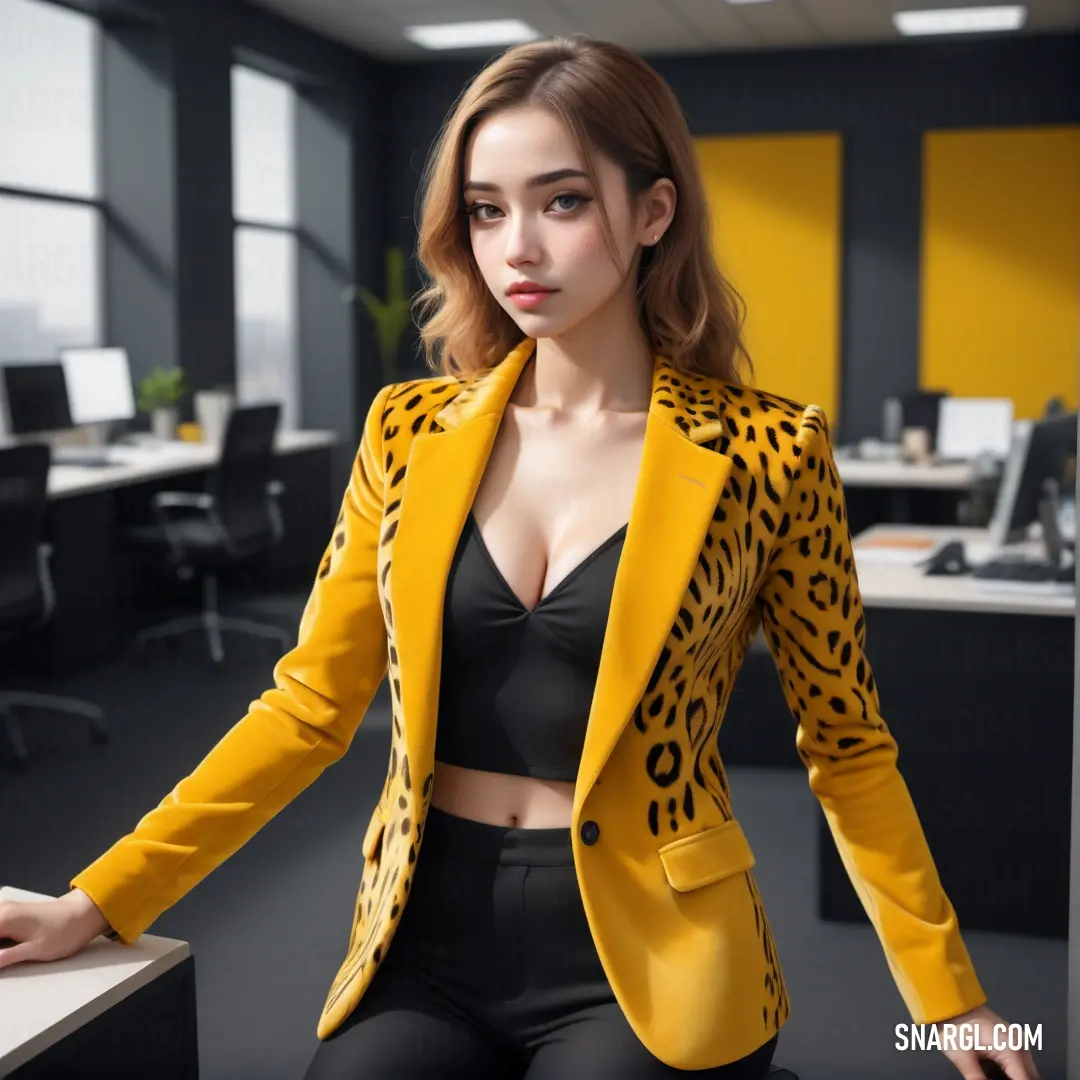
[212, 626]
[10, 700]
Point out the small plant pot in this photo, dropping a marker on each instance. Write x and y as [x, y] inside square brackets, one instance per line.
[163, 423]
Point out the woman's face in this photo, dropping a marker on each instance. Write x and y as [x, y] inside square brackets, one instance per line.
[536, 227]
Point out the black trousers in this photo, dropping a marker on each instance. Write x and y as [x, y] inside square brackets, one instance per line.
[493, 975]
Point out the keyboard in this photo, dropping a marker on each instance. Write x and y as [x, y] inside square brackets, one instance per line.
[1023, 571]
[95, 459]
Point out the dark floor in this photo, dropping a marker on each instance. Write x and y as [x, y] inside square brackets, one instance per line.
[270, 926]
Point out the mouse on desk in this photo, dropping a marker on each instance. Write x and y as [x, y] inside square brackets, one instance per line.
[950, 559]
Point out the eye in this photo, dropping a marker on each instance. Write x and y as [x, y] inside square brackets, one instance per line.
[576, 201]
[476, 210]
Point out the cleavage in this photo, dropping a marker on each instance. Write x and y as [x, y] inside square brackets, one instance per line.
[581, 566]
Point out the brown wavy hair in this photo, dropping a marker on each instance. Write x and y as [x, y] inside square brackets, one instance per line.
[612, 102]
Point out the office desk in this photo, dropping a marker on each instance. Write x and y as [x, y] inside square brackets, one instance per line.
[100, 582]
[903, 492]
[892, 584]
[141, 464]
[904, 475]
[976, 684]
[122, 1011]
[750, 737]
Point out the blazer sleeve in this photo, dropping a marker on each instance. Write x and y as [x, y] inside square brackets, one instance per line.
[814, 623]
[290, 734]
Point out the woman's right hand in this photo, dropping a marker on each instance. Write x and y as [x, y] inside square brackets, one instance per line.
[48, 929]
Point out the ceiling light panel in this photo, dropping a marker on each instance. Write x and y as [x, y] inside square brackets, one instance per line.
[475, 34]
[969, 20]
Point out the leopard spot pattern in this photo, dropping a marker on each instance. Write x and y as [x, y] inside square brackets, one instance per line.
[674, 731]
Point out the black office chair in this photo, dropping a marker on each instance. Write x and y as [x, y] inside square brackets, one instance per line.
[1054, 408]
[27, 596]
[236, 518]
[776, 1073]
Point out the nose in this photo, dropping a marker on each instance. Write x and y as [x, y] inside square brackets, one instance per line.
[522, 241]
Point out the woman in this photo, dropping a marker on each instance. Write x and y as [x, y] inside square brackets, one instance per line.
[560, 549]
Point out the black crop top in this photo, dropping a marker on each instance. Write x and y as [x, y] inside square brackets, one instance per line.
[517, 685]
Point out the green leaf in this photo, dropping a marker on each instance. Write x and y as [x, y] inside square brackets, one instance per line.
[161, 389]
[392, 315]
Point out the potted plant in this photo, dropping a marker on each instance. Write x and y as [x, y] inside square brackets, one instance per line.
[159, 394]
[392, 315]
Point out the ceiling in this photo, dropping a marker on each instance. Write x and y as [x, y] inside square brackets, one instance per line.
[653, 27]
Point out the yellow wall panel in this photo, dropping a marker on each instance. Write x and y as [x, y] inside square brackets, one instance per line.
[1001, 264]
[776, 207]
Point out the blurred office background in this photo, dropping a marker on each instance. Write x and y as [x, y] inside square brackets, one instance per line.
[207, 207]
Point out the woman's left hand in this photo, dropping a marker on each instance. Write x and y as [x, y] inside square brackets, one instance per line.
[1015, 1064]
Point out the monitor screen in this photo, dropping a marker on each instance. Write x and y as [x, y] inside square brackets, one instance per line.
[36, 398]
[1042, 451]
[99, 387]
[970, 427]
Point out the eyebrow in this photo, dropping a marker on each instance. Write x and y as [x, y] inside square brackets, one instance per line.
[541, 180]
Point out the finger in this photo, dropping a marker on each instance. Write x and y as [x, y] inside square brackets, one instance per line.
[1014, 1066]
[968, 1065]
[10, 919]
[1029, 1061]
[17, 954]
[971, 1072]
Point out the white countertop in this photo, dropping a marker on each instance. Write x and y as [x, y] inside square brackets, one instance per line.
[890, 578]
[40, 1004]
[135, 464]
[859, 472]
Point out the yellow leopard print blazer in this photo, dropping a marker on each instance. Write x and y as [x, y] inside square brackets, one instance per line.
[738, 522]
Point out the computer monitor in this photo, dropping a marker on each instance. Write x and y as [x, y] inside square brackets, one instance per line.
[1042, 450]
[99, 386]
[36, 397]
[971, 427]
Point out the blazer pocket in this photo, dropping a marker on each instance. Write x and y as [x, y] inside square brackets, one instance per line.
[373, 836]
[706, 857]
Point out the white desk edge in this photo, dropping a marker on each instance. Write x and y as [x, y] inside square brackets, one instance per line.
[151, 463]
[946, 476]
[21, 1040]
[892, 585]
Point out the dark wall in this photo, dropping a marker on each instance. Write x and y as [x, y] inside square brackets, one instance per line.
[138, 183]
[881, 99]
[168, 166]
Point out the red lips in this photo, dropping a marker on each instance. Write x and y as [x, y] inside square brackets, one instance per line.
[527, 287]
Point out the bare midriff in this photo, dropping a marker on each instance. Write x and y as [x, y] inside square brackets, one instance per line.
[520, 802]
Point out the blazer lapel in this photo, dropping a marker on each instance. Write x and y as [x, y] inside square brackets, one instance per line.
[443, 475]
[678, 488]
[677, 491]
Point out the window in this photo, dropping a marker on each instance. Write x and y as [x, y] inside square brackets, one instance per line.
[50, 195]
[266, 243]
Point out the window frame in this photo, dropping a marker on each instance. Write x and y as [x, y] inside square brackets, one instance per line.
[97, 203]
[277, 228]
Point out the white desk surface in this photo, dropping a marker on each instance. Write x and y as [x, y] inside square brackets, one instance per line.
[40, 1004]
[138, 463]
[857, 472]
[888, 581]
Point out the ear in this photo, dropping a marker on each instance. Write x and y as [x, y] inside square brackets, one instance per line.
[656, 208]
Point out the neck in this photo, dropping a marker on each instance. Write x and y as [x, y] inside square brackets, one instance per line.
[603, 365]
